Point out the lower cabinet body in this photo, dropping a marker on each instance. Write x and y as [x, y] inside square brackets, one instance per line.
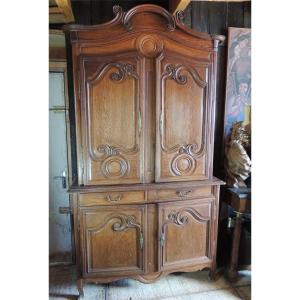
[145, 233]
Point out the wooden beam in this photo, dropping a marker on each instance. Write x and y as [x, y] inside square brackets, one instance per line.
[222, 0]
[62, 13]
[176, 5]
[57, 45]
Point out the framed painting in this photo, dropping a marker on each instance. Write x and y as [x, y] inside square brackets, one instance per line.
[238, 84]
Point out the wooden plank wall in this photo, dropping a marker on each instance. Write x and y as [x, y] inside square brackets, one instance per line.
[215, 18]
[99, 11]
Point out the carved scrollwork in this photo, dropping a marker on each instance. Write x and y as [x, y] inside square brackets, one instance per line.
[123, 70]
[129, 222]
[174, 71]
[117, 10]
[179, 16]
[175, 74]
[123, 223]
[181, 217]
[190, 149]
[108, 150]
[177, 218]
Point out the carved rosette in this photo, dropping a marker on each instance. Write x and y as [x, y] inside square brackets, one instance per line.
[183, 165]
[149, 45]
[184, 162]
[115, 167]
[114, 164]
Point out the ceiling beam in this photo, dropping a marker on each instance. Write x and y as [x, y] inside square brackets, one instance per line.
[176, 5]
[62, 13]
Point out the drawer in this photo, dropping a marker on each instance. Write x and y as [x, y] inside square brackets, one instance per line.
[179, 193]
[109, 198]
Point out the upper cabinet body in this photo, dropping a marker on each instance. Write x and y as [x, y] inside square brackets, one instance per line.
[144, 98]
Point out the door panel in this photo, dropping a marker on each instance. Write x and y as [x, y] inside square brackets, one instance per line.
[181, 149]
[111, 111]
[184, 233]
[59, 224]
[113, 239]
[56, 90]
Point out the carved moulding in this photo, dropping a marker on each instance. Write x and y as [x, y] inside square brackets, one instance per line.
[184, 161]
[181, 218]
[114, 163]
[148, 8]
[149, 45]
[123, 223]
[174, 71]
[147, 278]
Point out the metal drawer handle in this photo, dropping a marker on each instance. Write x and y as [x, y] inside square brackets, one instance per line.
[183, 193]
[115, 199]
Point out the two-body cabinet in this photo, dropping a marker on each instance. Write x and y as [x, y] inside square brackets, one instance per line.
[145, 203]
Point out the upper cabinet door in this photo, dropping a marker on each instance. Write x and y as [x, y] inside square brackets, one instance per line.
[111, 116]
[183, 118]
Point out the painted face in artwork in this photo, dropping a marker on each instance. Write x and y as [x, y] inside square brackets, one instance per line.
[243, 43]
[243, 88]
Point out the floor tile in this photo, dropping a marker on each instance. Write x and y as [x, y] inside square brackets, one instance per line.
[244, 292]
[224, 294]
[172, 285]
[62, 285]
[59, 297]
[244, 278]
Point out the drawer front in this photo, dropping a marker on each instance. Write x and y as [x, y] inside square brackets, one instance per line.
[109, 198]
[179, 193]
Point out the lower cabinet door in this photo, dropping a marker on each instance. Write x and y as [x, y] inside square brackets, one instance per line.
[185, 231]
[112, 240]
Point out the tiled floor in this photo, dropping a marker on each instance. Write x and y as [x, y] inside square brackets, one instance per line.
[183, 286]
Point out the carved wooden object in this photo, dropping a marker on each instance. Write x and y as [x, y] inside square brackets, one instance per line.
[146, 203]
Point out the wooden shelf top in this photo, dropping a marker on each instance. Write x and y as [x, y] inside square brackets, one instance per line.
[145, 186]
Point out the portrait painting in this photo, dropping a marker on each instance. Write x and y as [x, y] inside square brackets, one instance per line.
[238, 84]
